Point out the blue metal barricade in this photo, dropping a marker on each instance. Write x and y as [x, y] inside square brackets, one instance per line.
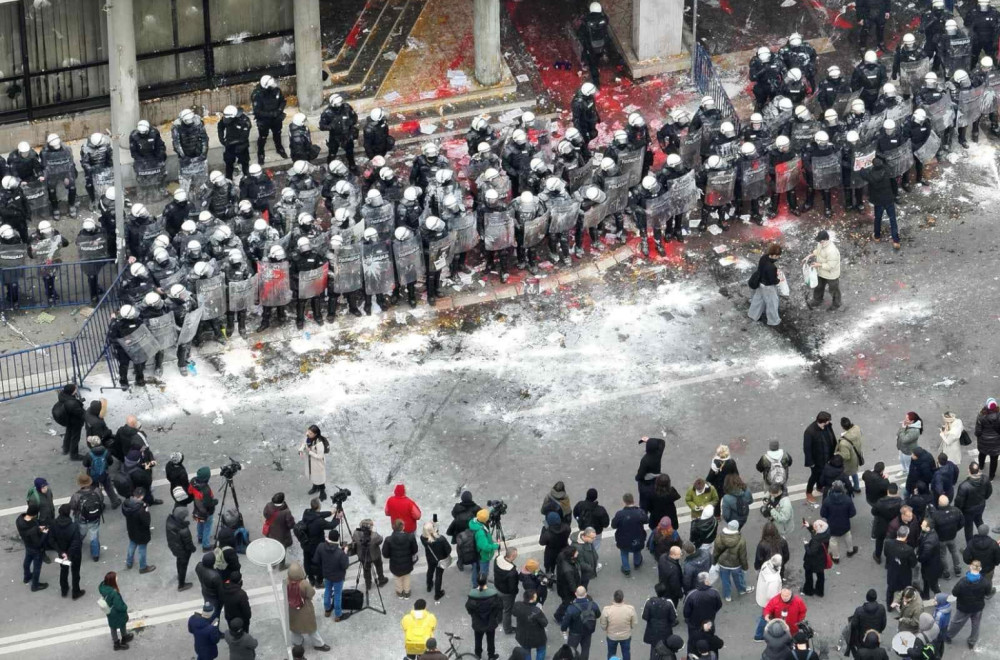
[709, 84]
[71, 282]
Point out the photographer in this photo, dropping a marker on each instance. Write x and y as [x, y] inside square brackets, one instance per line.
[485, 545]
[278, 520]
[71, 405]
[204, 506]
[366, 543]
[438, 553]
[461, 515]
[532, 579]
[310, 531]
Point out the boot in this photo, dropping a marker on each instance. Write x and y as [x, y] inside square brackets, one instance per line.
[411, 295]
[644, 245]
[331, 306]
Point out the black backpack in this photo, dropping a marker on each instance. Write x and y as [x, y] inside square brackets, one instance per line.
[91, 506]
[588, 618]
[465, 543]
[59, 414]
[742, 508]
[301, 532]
[122, 483]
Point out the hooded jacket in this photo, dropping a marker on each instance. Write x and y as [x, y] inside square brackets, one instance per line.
[485, 608]
[178, 531]
[400, 548]
[778, 641]
[94, 420]
[985, 549]
[206, 636]
[988, 432]
[136, 521]
[660, 616]
[973, 493]
[557, 501]
[730, 550]
[211, 581]
[418, 626]
[463, 512]
[282, 522]
[970, 594]
[701, 604]
[694, 564]
[65, 538]
[568, 577]
[921, 467]
[837, 510]
[401, 507]
[235, 602]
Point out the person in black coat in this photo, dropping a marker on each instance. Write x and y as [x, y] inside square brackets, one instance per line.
[377, 140]
[703, 641]
[649, 470]
[180, 543]
[485, 609]
[929, 557]
[919, 499]
[463, 512]
[210, 580]
[400, 548]
[701, 604]
[876, 483]
[671, 575]
[554, 537]
[333, 562]
[660, 615]
[436, 551]
[630, 534]
[900, 559]
[985, 550]
[235, 602]
[818, 445]
[921, 468]
[177, 477]
[814, 558]
[884, 511]
[94, 422]
[661, 502]
[317, 524]
[970, 498]
[880, 192]
[970, 594]
[72, 404]
[589, 513]
[66, 540]
[531, 622]
[568, 576]
[870, 615]
[137, 524]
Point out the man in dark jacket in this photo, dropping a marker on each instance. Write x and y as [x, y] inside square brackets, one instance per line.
[268, 103]
[701, 605]
[506, 582]
[97, 464]
[66, 540]
[72, 405]
[971, 497]
[649, 469]
[180, 543]
[696, 561]
[876, 483]
[670, 574]
[235, 602]
[35, 539]
[589, 513]
[868, 616]
[332, 562]
[880, 192]
[660, 616]
[970, 594]
[376, 137]
[900, 560]
[945, 477]
[629, 524]
[137, 524]
[921, 468]
[585, 116]
[205, 630]
[204, 505]
[818, 445]
[884, 511]
[177, 477]
[985, 550]
[242, 645]
[317, 523]
[580, 622]
[93, 420]
[461, 514]
[531, 623]
[341, 122]
[210, 580]
[485, 609]
[400, 548]
[947, 521]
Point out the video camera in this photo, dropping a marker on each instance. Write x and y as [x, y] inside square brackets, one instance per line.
[229, 471]
[340, 496]
[497, 508]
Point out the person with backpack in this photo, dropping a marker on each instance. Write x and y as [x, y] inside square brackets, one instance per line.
[94, 424]
[315, 448]
[554, 537]
[437, 551]
[181, 544]
[137, 523]
[41, 495]
[310, 531]
[583, 543]
[588, 512]
[87, 507]
[557, 501]
[774, 464]
[68, 412]
[97, 464]
[850, 449]
[204, 506]
[580, 622]
[531, 624]
[461, 515]
[486, 610]
[736, 501]
[66, 540]
[115, 609]
[177, 477]
[629, 524]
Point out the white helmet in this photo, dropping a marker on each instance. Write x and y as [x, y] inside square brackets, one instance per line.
[152, 299]
[714, 162]
[565, 147]
[9, 182]
[909, 39]
[138, 270]
[821, 137]
[707, 102]
[244, 206]
[303, 244]
[376, 115]
[300, 167]
[673, 160]
[937, 4]
[222, 234]
[649, 182]
[595, 8]
[919, 115]
[492, 195]
[889, 125]
[160, 255]
[795, 40]
[785, 104]
[782, 142]
[235, 256]
[889, 90]
[337, 167]
[341, 215]
[852, 136]
[451, 201]
[607, 164]
[45, 228]
[186, 115]
[374, 197]
[260, 224]
[267, 82]
[430, 150]
[194, 246]
[305, 219]
[443, 176]
[620, 136]
[635, 120]
[205, 216]
[483, 148]
[930, 78]
[230, 111]
[527, 197]
[201, 269]
[871, 57]
[554, 184]
[756, 119]
[288, 194]
[255, 170]
[403, 233]
[180, 196]
[336, 241]
[727, 129]
[336, 100]
[830, 116]
[795, 74]
[764, 54]
[177, 290]
[479, 124]
[23, 148]
[6, 232]
[342, 188]
[370, 234]
[86, 225]
[96, 139]
[386, 174]
[833, 72]
[55, 141]
[527, 117]
[857, 106]
[960, 77]
[572, 133]
[748, 149]
[986, 62]
[519, 136]
[277, 253]
[189, 227]
[434, 223]
[951, 26]
[588, 89]
[593, 193]
[139, 211]
[490, 173]
[128, 312]
[299, 119]
[802, 112]
[161, 241]
[142, 126]
[378, 162]
[216, 177]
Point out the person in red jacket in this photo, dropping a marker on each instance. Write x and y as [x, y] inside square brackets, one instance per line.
[401, 507]
[788, 607]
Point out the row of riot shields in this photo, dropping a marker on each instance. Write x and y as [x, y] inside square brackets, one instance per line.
[160, 333]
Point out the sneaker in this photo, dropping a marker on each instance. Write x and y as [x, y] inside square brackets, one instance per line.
[185, 586]
[749, 590]
[324, 648]
[626, 572]
[148, 569]
[728, 599]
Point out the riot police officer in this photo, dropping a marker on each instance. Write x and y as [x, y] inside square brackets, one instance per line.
[14, 206]
[177, 211]
[872, 14]
[377, 140]
[932, 25]
[706, 119]
[498, 257]
[409, 212]
[750, 163]
[538, 172]
[181, 304]
[223, 242]
[346, 279]
[928, 96]
[341, 123]
[11, 256]
[767, 73]
[868, 78]
[92, 245]
[906, 54]
[258, 188]
[452, 212]
[122, 325]
[140, 230]
[640, 199]
[268, 103]
[236, 270]
[983, 24]
[201, 271]
[60, 168]
[673, 170]
[153, 307]
[166, 269]
[527, 208]
[517, 155]
[890, 138]
[782, 153]
[43, 247]
[426, 165]
[609, 168]
[594, 37]
[220, 196]
[563, 215]
[189, 138]
[234, 135]
[149, 153]
[435, 242]
[479, 131]
[832, 87]
[818, 148]
[95, 157]
[300, 139]
[25, 164]
[638, 138]
[379, 275]
[259, 240]
[952, 49]
[918, 130]
[756, 132]
[585, 116]
[307, 191]
[854, 194]
[794, 88]
[799, 54]
[305, 259]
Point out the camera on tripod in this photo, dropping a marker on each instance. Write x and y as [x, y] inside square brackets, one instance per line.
[340, 496]
[229, 471]
[497, 508]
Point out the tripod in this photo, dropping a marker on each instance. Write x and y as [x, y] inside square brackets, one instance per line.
[365, 566]
[227, 488]
[498, 534]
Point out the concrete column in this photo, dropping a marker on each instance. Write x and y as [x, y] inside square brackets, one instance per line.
[122, 71]
[486, 32]
[657, 26]
[308, 56]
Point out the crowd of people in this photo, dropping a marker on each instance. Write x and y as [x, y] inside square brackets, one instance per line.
[917, 519]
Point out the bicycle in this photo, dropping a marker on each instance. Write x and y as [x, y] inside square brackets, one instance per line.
[452, 652]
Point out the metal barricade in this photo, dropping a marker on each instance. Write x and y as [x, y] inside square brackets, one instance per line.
[71, 283]
[705, 77]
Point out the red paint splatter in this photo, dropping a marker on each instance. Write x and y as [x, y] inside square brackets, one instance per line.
[914, 23]
[860, 368]
[834, 17]
[410, 127]
[352, 37]
[725, 6]
[674, 250]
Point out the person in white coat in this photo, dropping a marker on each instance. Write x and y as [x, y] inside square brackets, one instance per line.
[315, 448]
[951, 432]
[768, 586]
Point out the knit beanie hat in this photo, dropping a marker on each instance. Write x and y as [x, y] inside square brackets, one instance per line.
[466, 497]
[552, 519]
[40, 483]
[591, 494]
[872, 596]
[204, 473]
[483, 515]
[991, 404]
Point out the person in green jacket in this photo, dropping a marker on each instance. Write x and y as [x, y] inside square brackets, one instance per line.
[485, 545]
[118, 615]
[907, 438]
[699, 496]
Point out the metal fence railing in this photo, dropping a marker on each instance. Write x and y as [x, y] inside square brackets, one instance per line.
[707, 80]
[50, 367]
[71, 282]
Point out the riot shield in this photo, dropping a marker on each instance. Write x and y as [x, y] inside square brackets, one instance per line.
[337, 202]
[753, 179]
[163, 329]
[709, 129]
[991, 100]
[682, 194]
[957, 53]
[176, 277]
[728, 151]
[439, 253]
[409, 259]
[498, 230]
[150, 175]
[463, 233]
[37, 195]
[911, 75]
[92, 248]
[579, 177]
[151, 231]
[563, 212]
[970, 107]
[45, 249]
[140, 345]
[595, 214]
[312, 283]
[929, 149]
[319, 241]
[787, 174]
[825, 171]
[12, 256]
[535, 230]
[719, 185]
[863, 161]
[211, 293]
[898, 161]
[870, 127]
[803, 132]
[310, 199]
[775, 119]
[382, 218]
[243, 294]
[690, 148]
[476, 168]
[844, 100]
[192, 175]
[189, 328]
[377, 261]
[630, 164]
[103, 179]
[346, 264]
[941, 114]
[275, 286]
[656, 210]
[501, 184]
[616, 188]
[899, 113]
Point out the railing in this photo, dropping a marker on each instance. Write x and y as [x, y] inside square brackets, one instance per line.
[705, 77]
[71, 283]
[50, 367]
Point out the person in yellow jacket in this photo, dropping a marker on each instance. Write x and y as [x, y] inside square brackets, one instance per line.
[418, 626]
[826, 259]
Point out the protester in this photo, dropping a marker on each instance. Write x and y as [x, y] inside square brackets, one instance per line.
[768, 586]
[180, 543]
[617, 621]
[778, 509]
[580, 622]
[506, 582]
[660, 615]
[531, 623]
[818, 444]
[721, 466]
[556, 501]
[814, 558]
[907, 438]
[970, 498]
[137, 522]
[850, 449]
[235, 602]
[661, 502]
[586, 552]
[278, 520]
[951, 433]
[984, 549]
[774, 465]
[736, 501]
[671, 575]
[401, 507]
[204, 627]
[400, 548]
[554, 537]
[589, 512]
[242, 645]
[837, 510]
[437, 551]
[788, 607]
[778, 641]
[66, 540]
[204, 502]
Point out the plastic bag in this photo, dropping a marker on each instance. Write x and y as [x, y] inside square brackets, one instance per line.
[810, 276]
[783, 289]
[713, 574]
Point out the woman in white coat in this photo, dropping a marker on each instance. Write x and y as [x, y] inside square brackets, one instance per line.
[314, 449]
[950, 434]
[768, 586]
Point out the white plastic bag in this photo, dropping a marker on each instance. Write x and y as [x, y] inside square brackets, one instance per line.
[783, 289]
[713, 574]
[810, 276]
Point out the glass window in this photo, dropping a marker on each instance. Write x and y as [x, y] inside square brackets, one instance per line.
[232, 20]
[253, 56]
[61, 34]
[11, 87]
[167, 24]
[167, 69]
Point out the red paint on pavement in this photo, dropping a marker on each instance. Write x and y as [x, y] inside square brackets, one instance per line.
[352, 37]
[464, 48]
[725, 6]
